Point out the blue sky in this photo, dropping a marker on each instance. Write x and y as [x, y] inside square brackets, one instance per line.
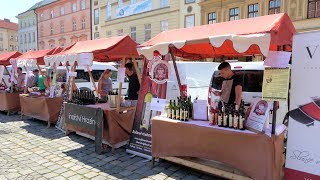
[10, 8]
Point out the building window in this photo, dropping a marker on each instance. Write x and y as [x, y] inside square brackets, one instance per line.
[25, 38]
[51, 14]
[62, 45]
[16, 38]
[83, 4]
[133, 1]
[109, 33]
[51, 46]
[189, 1]
[96, 35]
[33, 37]
[29, 37]
[74, 7]
[51, 30]
[61, 11]
[96, 16]
[11, 47]
[189, 21]
[164, 25]
[274, 6]
[1, 37]
[109, 9]
[95, 3]
[11, 38]
[313, 8]
[147, 32]
[164, 3]
[21, 40]
[133, 33]
[83, 23]
[253, 10]
[234, 14]
[212, 18]
[1, 47]
[120, 32]
[74, 25]
[61, 28]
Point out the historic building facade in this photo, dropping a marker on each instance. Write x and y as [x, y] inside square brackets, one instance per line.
[62, 23]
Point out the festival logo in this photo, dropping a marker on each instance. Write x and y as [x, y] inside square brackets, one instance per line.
[159, 70]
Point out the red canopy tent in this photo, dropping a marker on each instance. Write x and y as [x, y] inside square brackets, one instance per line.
[241, 37]
[105, 49]
[5, 57]
[36, 56]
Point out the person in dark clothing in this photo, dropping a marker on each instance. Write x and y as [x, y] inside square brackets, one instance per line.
[231, 91]
[134, 86]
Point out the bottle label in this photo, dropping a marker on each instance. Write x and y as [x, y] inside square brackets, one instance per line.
[177, 114]
[181, 114]
[225, 120]
[220, 120]
[241, 123]
[235, 122]
[173, 114]
[230, 120]
[186, 115]
[169, 113]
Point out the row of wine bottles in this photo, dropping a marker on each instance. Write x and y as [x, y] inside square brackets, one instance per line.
[180, 110]
[83, 97]
[228, 117]
[114, 92]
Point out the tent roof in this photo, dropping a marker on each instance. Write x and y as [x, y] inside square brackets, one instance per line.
[106, 49]
[38, 55]
[5, 57]
[233, 38]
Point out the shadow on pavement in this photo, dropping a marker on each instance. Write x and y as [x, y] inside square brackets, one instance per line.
[121, 165]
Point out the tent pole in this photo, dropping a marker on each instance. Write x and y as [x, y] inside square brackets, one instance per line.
[92, 80]
[137, 69]
[72, 80]
[11, 90]
[176, 72]
[120, 86]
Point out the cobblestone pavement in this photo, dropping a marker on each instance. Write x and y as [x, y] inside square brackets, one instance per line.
[28, 150]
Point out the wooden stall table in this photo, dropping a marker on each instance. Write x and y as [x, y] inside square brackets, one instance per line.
[259, 156]
[9, 102]
[42, 108]
[117, 125]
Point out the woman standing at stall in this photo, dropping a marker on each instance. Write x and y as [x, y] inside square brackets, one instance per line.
[42, 81]
[105, 84]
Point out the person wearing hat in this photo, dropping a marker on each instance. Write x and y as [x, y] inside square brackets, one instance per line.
[105, 84]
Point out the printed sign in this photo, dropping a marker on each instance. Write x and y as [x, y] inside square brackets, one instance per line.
[278, 59]
[121, 75]
[303, 147]
[1, 73]
[258, 116]
[140, 139]
[275, 84]
[200, 110]
[136, 8]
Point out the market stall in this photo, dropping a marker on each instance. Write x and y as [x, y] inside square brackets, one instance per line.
[117, 121]
[35, 104]
[257, 155]
[9, 101]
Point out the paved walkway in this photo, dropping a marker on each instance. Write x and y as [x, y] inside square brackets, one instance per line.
[28, 150]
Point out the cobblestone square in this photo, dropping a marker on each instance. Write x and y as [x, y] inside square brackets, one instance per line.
[30, 150]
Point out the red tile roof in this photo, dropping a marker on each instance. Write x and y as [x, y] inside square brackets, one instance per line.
[8, 25]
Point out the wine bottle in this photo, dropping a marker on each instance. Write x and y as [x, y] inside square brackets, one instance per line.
[236, 120]
[173, 112]
[146, 109]
[186, 112]
[178, 110]
[190, 107]
[231, 113]
[242, 117]
[181, 111]
[169, 110]
[220, 117]
[226, 117]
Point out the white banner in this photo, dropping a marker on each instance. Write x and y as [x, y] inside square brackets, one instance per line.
[1, 73]
[136, 8]
[303, 146]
